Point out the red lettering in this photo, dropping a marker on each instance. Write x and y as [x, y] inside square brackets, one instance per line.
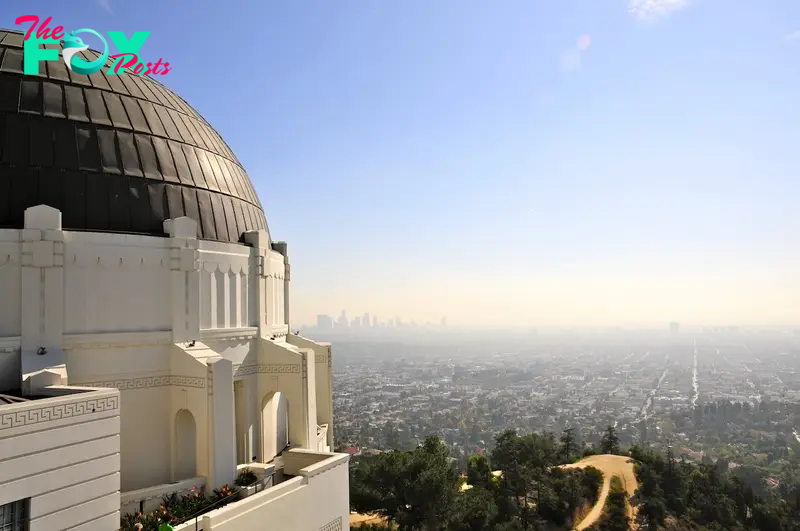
[149, 69]
[155, 68]
[28, 18]
[138, 69]
[166, 69]
[123, 64]
[44, 32]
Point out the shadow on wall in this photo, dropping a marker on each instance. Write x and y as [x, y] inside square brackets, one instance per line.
[275, 419]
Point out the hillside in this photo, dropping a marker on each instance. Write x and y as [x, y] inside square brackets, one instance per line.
[610, 466]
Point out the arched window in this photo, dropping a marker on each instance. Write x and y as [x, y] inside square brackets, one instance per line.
[185, 445]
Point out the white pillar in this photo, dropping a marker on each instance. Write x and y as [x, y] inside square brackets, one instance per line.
[259, 239]
[221, 424]
[42, 312]
[184, 278]
[283, 249]
[310, 396]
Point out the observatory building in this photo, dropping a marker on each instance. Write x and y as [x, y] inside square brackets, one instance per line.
[145, 347]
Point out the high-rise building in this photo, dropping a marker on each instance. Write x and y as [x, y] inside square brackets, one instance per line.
[128, 372]
[366, 322]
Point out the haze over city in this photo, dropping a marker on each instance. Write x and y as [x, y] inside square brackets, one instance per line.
[400, 265]
[514, 163]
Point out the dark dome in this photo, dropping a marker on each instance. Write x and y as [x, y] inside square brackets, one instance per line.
[113, 153]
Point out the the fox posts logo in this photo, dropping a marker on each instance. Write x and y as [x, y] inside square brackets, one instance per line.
[72, 44]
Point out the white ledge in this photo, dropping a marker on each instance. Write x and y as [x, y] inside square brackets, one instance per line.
[211, 334]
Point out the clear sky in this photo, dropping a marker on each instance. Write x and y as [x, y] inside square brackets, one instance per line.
[517, 162]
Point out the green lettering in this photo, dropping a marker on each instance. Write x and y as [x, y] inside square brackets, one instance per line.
[33, 54]
[125, 45]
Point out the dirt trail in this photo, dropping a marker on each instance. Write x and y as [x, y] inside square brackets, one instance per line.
[357, 520]
[610, 466]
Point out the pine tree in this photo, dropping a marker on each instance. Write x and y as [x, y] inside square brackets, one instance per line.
[609, 444]
[569, 447]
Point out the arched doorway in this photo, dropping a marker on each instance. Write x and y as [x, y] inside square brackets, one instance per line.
[185, 445]
[274, 424]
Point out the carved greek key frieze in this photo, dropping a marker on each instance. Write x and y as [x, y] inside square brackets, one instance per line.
[49, 413]
[320, 358]
[149, 382]
[244, 370]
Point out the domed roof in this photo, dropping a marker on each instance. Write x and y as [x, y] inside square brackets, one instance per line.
[113, 153]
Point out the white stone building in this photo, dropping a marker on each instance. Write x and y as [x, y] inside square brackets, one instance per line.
[145, 346]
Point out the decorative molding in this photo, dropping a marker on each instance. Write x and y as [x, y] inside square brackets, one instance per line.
[278, 330]
[184, 259]
[244, 370]
[116, 255]
[226, 263]
[149, 382]
[117, 340]
[320, 358]
[229, 334]
[42, 248]
[333, 525]
[261, 261]
[59, 411]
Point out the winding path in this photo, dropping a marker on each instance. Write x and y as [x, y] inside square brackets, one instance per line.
[610, 466]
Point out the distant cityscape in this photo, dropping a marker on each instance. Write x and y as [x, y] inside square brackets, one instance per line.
[366, 323]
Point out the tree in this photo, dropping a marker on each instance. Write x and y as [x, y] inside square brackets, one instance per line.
[569, 446]
[479, 473]
[414, 490]
[474, 510]
[609, 444]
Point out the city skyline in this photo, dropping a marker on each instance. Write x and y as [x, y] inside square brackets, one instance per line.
[348, 322]
[327, 322]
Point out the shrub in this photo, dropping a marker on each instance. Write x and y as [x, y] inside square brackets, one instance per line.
[246, 478]
[178, 508]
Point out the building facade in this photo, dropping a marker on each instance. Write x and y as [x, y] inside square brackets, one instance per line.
[145, 347]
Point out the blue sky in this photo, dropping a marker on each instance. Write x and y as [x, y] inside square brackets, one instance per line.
[508, 161]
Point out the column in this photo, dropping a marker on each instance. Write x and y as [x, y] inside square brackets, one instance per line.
[283, 248]
[259, 240]
[310, 396]
[42, 289]
[184, 278]
[221, 424]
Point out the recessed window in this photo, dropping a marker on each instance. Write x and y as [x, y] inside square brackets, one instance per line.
[14, 516]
